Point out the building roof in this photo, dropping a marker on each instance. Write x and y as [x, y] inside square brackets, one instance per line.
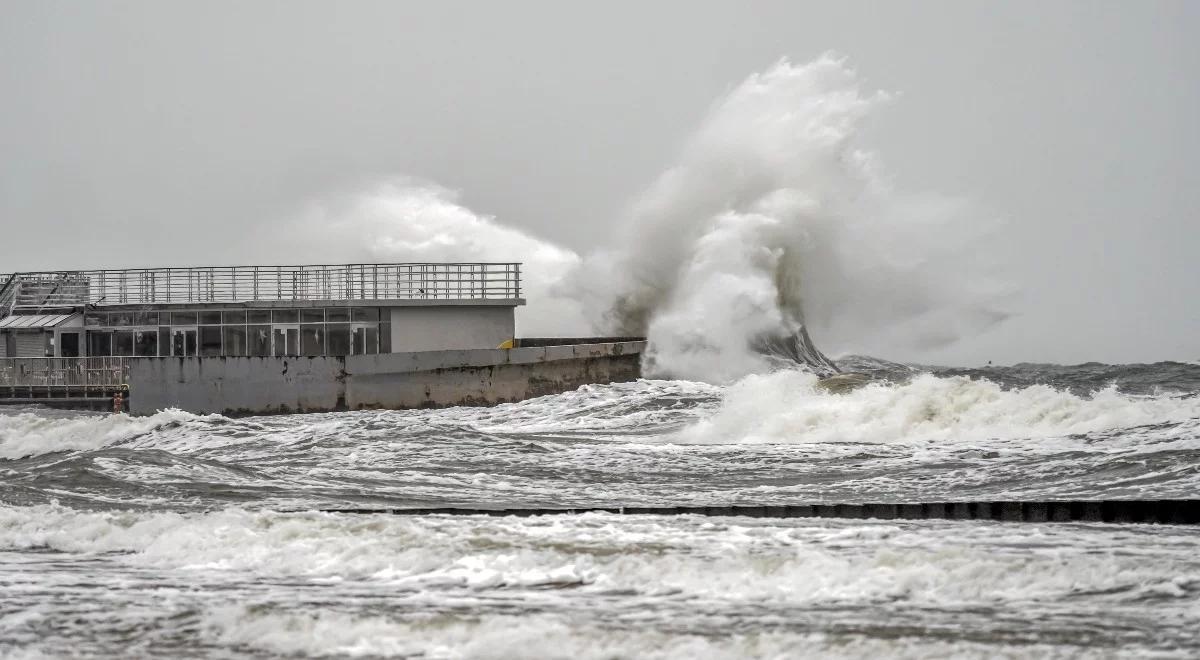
[34, 321]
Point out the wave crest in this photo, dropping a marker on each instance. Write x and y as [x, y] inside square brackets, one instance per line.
[789, 407]
[30, 434]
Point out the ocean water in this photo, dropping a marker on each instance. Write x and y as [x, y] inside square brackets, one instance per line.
[180, 535]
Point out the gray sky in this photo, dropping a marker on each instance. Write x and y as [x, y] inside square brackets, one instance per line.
[176, 127]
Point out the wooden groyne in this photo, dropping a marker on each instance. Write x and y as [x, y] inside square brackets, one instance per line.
[1165, 512]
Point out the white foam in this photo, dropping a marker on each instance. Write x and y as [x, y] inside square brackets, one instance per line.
[31, 434]
[597, 585]
[646, 406]
[788, 407]
[786, 561]
[558, 636]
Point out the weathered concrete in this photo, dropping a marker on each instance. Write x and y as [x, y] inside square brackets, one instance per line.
[483, 377]
[237, 384]
[424, 379]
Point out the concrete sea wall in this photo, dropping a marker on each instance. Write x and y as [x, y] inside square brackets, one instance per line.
[422, 379]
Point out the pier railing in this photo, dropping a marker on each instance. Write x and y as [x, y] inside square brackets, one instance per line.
[217, 284]
[74, 373]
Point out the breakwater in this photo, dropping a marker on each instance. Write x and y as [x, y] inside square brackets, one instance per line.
[1168, 512]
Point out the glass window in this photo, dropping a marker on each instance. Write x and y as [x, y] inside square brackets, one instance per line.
[210, 340]
[145, 343]
[123, 343]
[99, 343]
[259, 316]
[95, 318]
[338, 336]
[366, 314]
[235, 340]
[145, 318]
[183, 343]
[120, 318]
[235, 317]
[210, 318]
[372, 340]
[385, 337]
[287, 341]
[183, 318]
[164, 340]
[68, 344]
[312, 315]
[285, 316]
[312, 340]
[337, 315]
[258, 339]
[366, 340]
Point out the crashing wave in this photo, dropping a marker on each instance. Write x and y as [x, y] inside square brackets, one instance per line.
[772, 222]
[797, 348]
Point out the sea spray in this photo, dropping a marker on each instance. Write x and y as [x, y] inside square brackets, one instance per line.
[773, 220]
[408, 219]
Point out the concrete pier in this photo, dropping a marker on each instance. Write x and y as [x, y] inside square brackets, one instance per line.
[1163, 512]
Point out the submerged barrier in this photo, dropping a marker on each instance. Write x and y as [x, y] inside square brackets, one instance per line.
[1166, 512]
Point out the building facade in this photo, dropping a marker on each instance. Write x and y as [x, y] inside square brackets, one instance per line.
[259, 311]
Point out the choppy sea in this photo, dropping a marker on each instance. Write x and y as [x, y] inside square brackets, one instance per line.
[179, 535]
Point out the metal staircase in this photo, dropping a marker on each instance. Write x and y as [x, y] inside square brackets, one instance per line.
[8, 294]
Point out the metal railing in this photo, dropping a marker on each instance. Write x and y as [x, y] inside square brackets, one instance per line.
[80, 373]
[408, 281]
[8, 294]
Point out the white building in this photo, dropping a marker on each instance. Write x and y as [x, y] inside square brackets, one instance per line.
[263, 311]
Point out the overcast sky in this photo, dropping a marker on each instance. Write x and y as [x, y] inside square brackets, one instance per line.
[160, 133]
